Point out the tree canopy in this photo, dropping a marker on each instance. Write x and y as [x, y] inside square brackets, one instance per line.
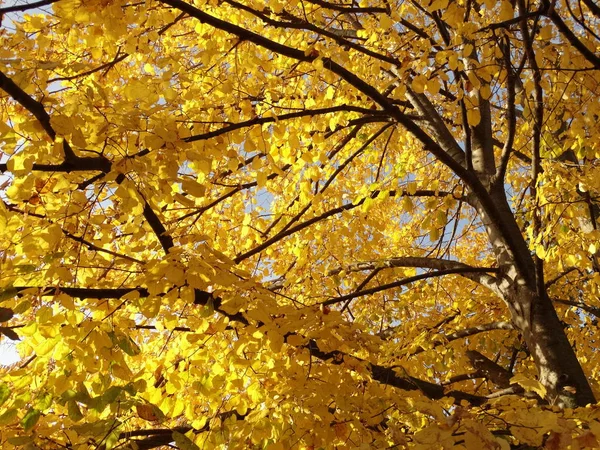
[300, 224]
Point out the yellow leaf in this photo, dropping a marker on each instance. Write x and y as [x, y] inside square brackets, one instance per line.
[529, 384]
[418, 83]
[546, 33]
[275, 340]
[193, 188]
[473, 117]
[468, 51]
[385, 22]
[136, 90]
[330, 93]
[78, 139]
[433, 85]
[295, 340]
[453, 59]
[437, 5]
[184, 200]
[485, 91]
[261, 179]
[540, 251]
[61, 124]
[233, 304]
[507, 11]
[153, 141]
[411, 188]
[407, 205]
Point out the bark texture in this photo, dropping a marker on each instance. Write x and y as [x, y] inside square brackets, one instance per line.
[532, 312]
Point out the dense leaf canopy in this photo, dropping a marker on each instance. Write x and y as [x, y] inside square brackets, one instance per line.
[300, 224]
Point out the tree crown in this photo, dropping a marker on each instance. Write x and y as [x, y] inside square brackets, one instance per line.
[299, 224]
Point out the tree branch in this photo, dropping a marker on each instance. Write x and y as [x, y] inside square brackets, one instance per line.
[72, 161]
[166, 241]
[26, 7]
[34, 107]
[511, 117]
[389, 376]
[348, 9]
[559, 276]
[488, 368]
[201, 298]
[436, 125]
[462, 377]
[479, 275]
[158, 437]
[594, 310]
[384, 375]
[443, 339]
[515, 243]
[73, 237]
[301, 24]
[594, 9]
[338, 170]
[573, 40]
[294, 115]
[403, 282]
[507, 23]
[333, 212]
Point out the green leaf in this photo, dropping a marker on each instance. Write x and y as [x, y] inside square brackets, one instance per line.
[8, 416]
[25, 268]
[30, 419]
[44, 401]
[4, 393]
[69, 394]
[131, 388]
[20, 440]
[111, 394]
[183, 442]
[209, 308]
[111, 440]
[8, 293]
[53, 257]
[74, 412]
[82, 395]
[22, 307]
[107, 398]
[100, 427]
[127, 344]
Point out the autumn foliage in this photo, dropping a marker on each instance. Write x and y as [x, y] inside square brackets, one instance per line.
[300, 224]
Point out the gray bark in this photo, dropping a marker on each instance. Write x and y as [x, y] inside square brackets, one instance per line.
[533, 314]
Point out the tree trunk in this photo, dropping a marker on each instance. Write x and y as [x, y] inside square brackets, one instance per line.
[558, 368]
[533, 313]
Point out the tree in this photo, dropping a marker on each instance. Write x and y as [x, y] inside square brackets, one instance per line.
[300, 224]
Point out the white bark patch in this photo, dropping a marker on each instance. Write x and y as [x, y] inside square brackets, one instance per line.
[542, 362]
